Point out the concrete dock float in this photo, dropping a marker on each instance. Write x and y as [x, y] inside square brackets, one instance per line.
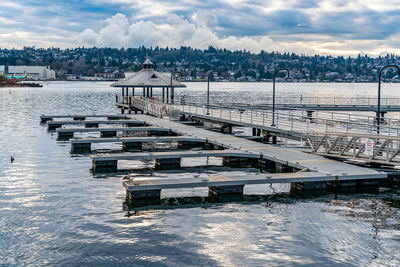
[133, 143]
[221, 185]
[280, 156]
[52, 125]
[164, 160]
[67, 133]
[45, 118]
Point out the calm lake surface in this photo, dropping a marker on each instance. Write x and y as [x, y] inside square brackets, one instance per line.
[54, 211]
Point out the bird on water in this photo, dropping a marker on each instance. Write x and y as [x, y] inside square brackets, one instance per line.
[12, 159]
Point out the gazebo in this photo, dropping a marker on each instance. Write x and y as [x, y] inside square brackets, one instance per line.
[147, 79]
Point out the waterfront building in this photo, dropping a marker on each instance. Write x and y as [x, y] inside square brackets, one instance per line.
[29, 72]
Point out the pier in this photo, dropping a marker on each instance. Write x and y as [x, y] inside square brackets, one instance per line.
[52, 125]
[67, 133]
[139, 189]
[133, 143]
[46, 118]
[164, 160]
[304, 171]
[324, 133]
[311, 171]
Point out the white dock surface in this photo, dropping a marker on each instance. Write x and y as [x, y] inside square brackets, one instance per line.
[287, 156]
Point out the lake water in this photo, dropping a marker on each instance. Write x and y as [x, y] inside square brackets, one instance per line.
[54, 211]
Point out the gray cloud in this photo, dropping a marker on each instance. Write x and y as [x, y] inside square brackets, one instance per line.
[304, 26]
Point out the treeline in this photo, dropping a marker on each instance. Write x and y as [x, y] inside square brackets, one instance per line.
[195, 62]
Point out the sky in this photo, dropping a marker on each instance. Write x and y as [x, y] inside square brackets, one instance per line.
[325, 27]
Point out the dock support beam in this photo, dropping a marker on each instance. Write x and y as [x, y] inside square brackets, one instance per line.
[53, 126]
[168, 164]
[45, 119]
[80, 147]
[354, 186]
[65, 135]
[237, 162]
[309, 114]
[267, 165]
[91, 125]
[283, 168]
[189, 144]
[113, 117]
[225, 190]
[308, 188]
[142, 195]
[103, 166]
[79, 118]
[104, 134]
[131, 146]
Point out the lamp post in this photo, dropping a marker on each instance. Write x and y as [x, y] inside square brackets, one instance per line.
[172, 90]
[208, 92]
[378, 123]
[273, 94]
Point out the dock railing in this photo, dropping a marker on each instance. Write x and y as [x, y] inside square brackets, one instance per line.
[287, 100]
[298, 120]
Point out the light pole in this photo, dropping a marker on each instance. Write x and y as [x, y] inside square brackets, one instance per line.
[208, 92]
[273, 94]
[172, 90]
[378, 123]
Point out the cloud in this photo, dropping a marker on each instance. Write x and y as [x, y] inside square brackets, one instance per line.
[343, 27]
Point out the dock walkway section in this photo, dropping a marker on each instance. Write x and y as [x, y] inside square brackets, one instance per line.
[313, 171]
[164, 160]
[67, 133]
[287, 156]
[52, 125]
[132, 143]
[45, 118]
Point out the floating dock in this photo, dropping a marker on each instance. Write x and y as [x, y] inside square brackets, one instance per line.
[67, 133]
[46, 118]
[222, 185]
[164, 160]
[315, 171]
[133, 143]
[304, 171]
[52, 125]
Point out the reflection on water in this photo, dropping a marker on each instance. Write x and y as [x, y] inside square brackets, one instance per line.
[53, 211]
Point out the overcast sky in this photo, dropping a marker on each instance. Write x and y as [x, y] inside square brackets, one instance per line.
[336, 27]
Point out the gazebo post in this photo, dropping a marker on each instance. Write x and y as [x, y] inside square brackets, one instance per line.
[133, 91]
[163, 94]
[151, 92]
[167, 95]
[144, 92]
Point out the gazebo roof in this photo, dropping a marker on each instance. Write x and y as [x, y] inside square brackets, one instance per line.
[148, 77]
